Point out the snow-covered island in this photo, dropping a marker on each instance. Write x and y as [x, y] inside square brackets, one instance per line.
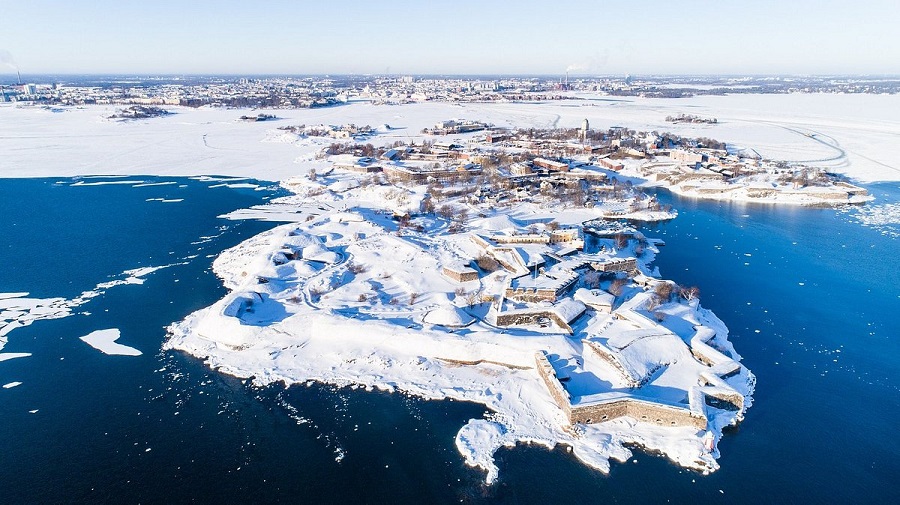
[139, 112]
[440, 278]
[741, 176]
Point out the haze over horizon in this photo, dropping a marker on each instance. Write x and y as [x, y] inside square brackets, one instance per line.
[451, 38]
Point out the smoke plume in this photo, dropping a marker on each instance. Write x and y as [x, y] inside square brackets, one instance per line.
[592, 64]
[6, 58]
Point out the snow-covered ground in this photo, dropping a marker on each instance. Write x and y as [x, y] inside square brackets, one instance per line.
[852, 134]
[346, 296]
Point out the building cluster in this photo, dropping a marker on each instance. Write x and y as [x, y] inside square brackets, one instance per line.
[344, 131]
[552, 283]
[715, 172]
[503, 167]
[623, 344]
[542, 270]
[320, 91]
[191, 92]
[454, 126]
[578, 165]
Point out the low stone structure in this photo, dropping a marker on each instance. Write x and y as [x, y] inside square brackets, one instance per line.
[546, 287]
[565, 236]
[711, 389]
[358, 168]
[616, 265]
[571, 236]
[613, 406]
[597, 299]
[525, 238]
[640, 410]
[460, 272]
[424, 173]
[561, 314]
[551, 164]
[557, 391]
[615, 166]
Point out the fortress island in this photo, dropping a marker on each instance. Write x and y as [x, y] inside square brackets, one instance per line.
[449, 269]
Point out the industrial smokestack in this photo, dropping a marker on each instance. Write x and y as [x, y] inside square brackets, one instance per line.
[18, 76]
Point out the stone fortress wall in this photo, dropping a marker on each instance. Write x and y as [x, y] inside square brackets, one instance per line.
[636, 408]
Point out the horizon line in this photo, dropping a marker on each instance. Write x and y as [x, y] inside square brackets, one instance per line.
[451, 75]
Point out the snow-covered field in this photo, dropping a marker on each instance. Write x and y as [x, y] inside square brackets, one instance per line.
[852, 134]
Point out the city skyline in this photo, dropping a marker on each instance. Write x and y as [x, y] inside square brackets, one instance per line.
[464, 37]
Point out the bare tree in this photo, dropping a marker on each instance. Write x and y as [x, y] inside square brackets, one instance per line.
[689, 293]
[356, 268]
[487, 263]
[445, 211]
[428, 205]
[616, 286]
[664, 290]
[316, 292]
[576, 197]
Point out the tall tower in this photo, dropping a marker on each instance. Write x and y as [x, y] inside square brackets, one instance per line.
[584, 129]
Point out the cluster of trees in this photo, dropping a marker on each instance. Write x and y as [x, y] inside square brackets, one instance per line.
[310, 131]
[561, 134]
[426, 146]
[690, 118]
[617, 286]
[803, 177]
[709, 143]
[354, 149]
[591, 279]
[670, 140]
[453, 213]
[666, 291]
[139, 112]
[487, 263]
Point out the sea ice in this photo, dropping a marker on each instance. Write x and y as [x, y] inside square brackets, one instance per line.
[105, 341]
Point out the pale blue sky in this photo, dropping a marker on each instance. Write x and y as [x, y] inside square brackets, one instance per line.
[456, 37]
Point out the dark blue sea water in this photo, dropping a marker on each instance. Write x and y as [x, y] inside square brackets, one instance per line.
[810, 295]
